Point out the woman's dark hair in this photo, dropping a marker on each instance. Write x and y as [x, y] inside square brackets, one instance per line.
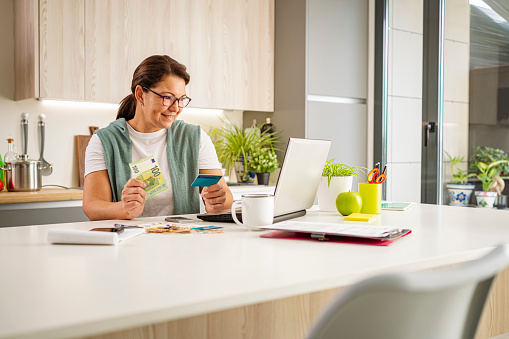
[151, 71]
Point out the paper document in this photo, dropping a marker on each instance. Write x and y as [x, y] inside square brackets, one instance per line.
[362, 231]
[70, 236]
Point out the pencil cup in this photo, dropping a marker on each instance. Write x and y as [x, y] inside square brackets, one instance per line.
[371, 198]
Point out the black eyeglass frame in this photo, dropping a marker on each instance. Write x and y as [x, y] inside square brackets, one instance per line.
[169, 98]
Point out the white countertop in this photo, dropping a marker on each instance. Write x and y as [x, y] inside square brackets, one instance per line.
[70, 290]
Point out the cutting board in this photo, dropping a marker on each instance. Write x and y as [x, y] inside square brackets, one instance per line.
[81, 146]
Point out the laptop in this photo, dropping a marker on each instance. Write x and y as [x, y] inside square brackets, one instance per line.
[297, 182]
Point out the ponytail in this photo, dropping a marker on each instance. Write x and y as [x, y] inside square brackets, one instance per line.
[127, 108]
[151, 70]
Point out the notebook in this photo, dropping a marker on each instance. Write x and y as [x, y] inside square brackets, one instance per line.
[396, 205]
[297, 182]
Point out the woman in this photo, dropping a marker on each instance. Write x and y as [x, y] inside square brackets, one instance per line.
[146, 126]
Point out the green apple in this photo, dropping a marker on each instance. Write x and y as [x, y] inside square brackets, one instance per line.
[348, 203]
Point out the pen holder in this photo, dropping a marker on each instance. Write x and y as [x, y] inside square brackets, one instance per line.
[371, 198]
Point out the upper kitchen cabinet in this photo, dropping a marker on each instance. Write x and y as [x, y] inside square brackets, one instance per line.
[227, 46]
[49, 49]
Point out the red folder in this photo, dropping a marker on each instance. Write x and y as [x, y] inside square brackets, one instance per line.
[331, 238]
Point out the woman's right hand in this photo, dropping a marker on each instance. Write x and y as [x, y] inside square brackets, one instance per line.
[133, 197]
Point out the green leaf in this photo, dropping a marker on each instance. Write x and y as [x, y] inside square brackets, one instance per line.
[332, 169]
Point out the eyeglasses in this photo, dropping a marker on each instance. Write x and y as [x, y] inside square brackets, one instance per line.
[169, 100]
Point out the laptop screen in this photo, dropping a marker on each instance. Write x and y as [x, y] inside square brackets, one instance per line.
[300, 175]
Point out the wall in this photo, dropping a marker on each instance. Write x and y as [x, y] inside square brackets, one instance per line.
[63, 121]
[404, 100]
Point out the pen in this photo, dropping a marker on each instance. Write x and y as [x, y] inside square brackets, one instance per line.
[126, 226]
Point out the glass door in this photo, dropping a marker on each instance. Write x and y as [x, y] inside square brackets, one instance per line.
[475, 121]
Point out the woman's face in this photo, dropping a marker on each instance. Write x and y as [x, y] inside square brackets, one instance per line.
[153, 116]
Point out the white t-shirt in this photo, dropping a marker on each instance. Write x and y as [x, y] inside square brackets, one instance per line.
[145, 145]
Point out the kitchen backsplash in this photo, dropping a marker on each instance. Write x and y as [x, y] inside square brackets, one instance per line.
[64, 122]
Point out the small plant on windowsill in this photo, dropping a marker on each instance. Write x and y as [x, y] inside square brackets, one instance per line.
[492, 183]
[489, 155]
[459, 189]
[459, 176]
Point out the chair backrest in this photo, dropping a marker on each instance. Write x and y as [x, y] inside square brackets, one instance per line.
[434, 304]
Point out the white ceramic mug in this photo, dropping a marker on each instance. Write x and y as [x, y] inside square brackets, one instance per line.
[257, 210]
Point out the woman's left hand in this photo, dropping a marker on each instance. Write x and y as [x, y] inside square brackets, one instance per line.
[214, 197]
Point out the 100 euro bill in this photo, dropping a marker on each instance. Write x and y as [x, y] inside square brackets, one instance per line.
[148, 171]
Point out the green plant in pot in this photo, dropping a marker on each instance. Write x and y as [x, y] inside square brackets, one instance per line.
[263, 162]
[459, 189]
[336, 178]
[489, 155]
[235, 146]
[492, 182]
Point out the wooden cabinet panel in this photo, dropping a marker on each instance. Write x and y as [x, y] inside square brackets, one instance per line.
[226, 45]
[26, 49]
[107, 75]
[89, 49]
[49, 49]
[62, 49]
[237, 41]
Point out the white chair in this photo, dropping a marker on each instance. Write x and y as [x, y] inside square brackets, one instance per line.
[445, 304]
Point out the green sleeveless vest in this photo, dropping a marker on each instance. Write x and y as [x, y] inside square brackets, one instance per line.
[183, 148]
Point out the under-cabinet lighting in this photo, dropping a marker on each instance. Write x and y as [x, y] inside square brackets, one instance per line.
[202, 111]
[88, 104]
[78, 104]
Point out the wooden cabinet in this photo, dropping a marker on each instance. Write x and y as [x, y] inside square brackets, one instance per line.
[49, 49]
[62, 49]
[89, 49]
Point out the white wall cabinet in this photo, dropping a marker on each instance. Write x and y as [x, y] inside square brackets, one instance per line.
[89, 49]
[322, 74]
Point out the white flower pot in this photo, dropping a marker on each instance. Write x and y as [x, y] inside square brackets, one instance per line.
[485, 199]
[459, 194]
[327, 194]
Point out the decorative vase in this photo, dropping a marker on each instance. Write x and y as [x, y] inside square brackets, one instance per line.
[485, 199]
[263, 178]
[459, 194]
[327, 194]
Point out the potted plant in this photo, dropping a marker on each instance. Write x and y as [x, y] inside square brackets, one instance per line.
[489, 175]
[234, 146]
[263, 162]
[489, 155]
[336, 178]
[459, 188]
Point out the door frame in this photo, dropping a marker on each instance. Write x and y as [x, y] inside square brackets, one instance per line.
[432, 101]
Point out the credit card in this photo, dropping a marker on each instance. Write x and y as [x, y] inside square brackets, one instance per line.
[204, 180]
